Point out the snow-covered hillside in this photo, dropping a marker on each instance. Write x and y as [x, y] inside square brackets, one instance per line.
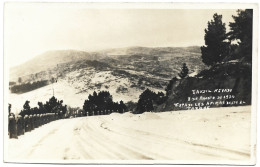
[62, 90]
[86, 81]
[75, 87]
[214, 134]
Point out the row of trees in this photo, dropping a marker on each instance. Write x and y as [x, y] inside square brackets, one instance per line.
[222, 46]
[51, 106]
[31, 118]
[26, 87]
[102, 101]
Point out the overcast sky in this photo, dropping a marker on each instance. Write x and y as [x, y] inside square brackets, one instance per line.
[31, 29]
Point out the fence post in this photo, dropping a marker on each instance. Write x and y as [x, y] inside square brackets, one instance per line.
[31, 122]
[27, 123]
[20, 125]
[38, 120]
[12, 127]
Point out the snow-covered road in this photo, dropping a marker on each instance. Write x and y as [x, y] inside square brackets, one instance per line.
[214, 134]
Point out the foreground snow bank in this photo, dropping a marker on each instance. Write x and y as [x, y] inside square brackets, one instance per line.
[214, 134]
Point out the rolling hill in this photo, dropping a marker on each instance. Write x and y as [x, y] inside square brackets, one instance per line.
[49, 60]
[125, 72]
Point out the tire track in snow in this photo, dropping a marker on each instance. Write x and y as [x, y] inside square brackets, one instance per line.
[91, 145]
[35, 146]
[218, 151]
[134, 149]
[88, 141]
[142, 139]
[121, 151]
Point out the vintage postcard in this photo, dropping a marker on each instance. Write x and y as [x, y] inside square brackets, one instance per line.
[130, 83]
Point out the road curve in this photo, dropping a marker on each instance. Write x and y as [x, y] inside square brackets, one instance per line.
[103, 138]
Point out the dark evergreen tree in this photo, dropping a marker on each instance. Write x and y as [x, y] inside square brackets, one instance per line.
[122, 107]
[160, 98]
[216, 48]
[184, 71]
[26, 109]
[34, 110]
[145, 101]
[241, 32]
[41, 108]
[102, 102]
[95, 94]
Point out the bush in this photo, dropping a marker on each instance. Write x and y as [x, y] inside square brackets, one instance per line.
[147, 100]
[102, 102]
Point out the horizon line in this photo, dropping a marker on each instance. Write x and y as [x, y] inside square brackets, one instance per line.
[102, 50]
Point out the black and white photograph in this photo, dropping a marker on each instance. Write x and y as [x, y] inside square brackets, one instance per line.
[130, 83]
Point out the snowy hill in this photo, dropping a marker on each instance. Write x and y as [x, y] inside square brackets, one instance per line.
[51, 59]
[47, 61]
[125, 75]
[75, 88]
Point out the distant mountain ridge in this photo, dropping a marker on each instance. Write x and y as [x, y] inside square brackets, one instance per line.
[51, 59]
[150, 50]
